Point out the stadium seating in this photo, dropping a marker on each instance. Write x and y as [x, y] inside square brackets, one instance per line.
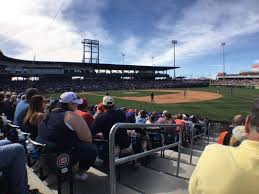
[59, 163]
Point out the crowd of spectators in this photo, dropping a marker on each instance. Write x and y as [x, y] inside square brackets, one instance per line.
[60, 86]
[236, 82]
[69, 122]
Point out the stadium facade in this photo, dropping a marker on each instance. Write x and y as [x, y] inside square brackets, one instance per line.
[254, 74]
[11, 67]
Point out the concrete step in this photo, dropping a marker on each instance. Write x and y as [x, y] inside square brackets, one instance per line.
[157, 177]
[169, 166]
[150, 181]
[36, 183]
[97, 182]
[185, 157]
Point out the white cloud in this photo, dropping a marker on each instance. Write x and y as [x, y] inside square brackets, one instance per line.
[130, 46]
[256, 61]
[199, 29]
[31, 24]
[202, 28]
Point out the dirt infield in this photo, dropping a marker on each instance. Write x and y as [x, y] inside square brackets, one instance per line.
[177, 97]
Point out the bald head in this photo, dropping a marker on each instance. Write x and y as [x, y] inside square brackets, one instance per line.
[238, 120]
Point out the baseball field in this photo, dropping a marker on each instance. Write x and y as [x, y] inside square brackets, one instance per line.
[216, 103]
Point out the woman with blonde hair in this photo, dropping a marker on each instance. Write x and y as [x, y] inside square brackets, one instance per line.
[35, 114]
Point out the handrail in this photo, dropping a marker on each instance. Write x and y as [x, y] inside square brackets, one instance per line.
[113, 162]
[199, 135]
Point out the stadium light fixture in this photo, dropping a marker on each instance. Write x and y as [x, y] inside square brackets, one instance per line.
[174, 42]
[123, 55]
[223, 57]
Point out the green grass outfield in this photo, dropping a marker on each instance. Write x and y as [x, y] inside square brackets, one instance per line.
[222, 109]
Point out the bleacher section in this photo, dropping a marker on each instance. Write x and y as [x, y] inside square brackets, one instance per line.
[158, 176]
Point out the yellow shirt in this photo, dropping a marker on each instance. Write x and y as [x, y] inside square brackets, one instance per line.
[227, 170]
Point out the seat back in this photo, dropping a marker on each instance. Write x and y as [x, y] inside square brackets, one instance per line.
[57, 162]
[3, 182]
[11, 133]
[155, 137]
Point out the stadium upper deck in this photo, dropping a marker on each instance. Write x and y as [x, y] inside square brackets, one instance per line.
[10, 67]
[254, 74]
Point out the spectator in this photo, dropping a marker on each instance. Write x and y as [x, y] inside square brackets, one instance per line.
[152, 119]
[4, 106]
[179, 122]
[35, 114]
[13, 102]
[188, 122]
[22, 107]
[7, 97]
[225, 136]
[53, 105]
[63, 129]
[221, 138]
[166, 118]
[82, 111]
[12, 161]
[238, 135]
[142, 117]
[99, 110]
[104, 122]
[237, 120]
[23, 97]
[240, 164]
[131, 116]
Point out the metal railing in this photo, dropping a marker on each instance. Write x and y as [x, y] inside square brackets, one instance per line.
[214, 129]
[113, 162]
[194, 128]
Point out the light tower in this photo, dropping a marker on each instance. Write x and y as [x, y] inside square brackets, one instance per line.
[90, 51]
[174, 42]
[123, 55]
[153, 61]
[223, 57]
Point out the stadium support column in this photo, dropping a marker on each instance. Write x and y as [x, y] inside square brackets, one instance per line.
[223, 58]
[174, 42]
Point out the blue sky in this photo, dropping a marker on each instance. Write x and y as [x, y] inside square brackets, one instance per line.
[141, 29]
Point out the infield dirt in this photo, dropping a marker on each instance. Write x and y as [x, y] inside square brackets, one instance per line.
[177, 97]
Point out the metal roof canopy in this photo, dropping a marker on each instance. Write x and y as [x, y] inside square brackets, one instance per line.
[95, 66]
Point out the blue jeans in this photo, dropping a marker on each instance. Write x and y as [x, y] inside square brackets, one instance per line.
[86, 154]
[12, 161]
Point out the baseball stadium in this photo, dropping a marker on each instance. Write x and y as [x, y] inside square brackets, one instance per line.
[132, 85]
[198, 110]
[154, 102]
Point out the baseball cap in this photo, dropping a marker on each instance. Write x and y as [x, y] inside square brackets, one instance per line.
[165, 112]
[108, 101]
[70, 97]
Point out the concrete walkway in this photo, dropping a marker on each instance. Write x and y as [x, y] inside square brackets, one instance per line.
[158, 177]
